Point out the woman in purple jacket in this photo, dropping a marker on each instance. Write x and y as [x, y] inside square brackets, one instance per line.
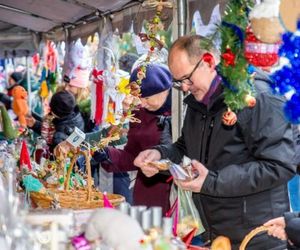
[154, 129]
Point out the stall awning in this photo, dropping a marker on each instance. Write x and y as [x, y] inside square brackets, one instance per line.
[23, 22]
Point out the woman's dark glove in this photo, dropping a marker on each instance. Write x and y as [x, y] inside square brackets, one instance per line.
[101, 155]
[165, 125]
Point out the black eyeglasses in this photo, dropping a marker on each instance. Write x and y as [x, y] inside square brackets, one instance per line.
[187, 80]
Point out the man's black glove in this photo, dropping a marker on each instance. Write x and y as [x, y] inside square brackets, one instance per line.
[165, 125]
[101, 155]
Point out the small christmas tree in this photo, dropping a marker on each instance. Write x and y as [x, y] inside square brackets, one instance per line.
[233, 68]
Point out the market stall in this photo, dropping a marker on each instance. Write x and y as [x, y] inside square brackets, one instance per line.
[50, 198]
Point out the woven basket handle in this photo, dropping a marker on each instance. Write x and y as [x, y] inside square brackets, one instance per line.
[88, 169]
[250, 235]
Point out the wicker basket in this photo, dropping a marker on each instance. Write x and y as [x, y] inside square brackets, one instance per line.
[250, 235]
[74, 199]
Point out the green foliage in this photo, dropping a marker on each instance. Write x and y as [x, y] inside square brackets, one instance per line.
[236, 76]
[166, 36]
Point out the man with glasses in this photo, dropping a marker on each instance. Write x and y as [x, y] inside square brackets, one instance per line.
[242, 169]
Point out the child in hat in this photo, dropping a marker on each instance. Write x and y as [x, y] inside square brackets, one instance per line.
[79, 86]
[66, 117]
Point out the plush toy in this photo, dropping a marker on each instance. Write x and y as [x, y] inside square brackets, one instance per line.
[265, 21]
[115, 229]
[19, 104]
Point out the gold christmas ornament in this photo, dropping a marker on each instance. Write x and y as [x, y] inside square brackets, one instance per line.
[250, 100]
[229, 118]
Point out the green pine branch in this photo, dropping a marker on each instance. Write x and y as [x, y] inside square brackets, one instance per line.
[237, 75]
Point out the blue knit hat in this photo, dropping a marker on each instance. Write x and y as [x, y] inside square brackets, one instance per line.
[158, 79]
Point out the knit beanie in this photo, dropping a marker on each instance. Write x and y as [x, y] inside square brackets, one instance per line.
[17, 76]
[80, 79]
[62, 103]
[126, 61]
[158, 79]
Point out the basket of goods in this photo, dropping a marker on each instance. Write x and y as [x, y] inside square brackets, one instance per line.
[252, 234]
[75, 197]
[222, 242]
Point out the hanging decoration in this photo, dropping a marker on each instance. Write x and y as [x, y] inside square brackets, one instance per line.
[120, 97]
[153, 27]
[287, 77]
[258, 53]
[35, 60]
[48, 75]
[208, 30]
[233, 68]
[265, 21]
[97, 96]
[20, 105]
[50, 56]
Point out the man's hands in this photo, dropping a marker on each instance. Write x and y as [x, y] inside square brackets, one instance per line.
[150, 155]
[276, 228]
[194, 185]
[142, 160]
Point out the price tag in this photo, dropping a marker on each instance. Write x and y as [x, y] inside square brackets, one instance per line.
[76, 138]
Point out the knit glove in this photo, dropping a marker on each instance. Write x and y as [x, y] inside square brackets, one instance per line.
[101, 155]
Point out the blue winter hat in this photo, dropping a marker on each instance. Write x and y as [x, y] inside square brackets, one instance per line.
[158, 79]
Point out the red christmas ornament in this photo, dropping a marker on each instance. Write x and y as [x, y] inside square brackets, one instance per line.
[229, 118]
[229, 57]
[250, 100]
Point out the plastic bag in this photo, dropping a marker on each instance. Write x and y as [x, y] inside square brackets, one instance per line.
[188, 215]
[185, 214]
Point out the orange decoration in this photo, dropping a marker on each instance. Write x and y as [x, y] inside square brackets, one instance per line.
[19, 104]
[250, 100]
[221, 243]
[229, 118]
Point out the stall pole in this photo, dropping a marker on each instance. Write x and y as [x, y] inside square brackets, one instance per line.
[28, 81]
[180, 13]
[6, 71]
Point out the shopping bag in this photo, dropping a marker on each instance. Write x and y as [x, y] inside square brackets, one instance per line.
[185, 215]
